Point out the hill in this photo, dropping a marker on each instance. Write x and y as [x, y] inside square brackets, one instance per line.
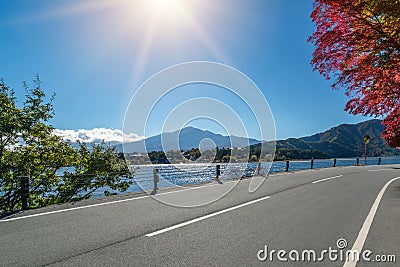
[345, 140]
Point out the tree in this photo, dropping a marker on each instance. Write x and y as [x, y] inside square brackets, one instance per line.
[28, 147]
[97, 168]
[358, 42]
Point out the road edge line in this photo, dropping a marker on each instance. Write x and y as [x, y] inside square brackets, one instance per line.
[362, 235]
[106, 203]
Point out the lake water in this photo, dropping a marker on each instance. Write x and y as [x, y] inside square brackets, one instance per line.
[185, 174]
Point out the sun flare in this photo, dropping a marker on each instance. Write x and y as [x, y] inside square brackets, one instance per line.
[166, 5]
[166, 2]
[151, 24]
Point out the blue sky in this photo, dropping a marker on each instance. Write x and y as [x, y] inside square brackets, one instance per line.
[94, 54]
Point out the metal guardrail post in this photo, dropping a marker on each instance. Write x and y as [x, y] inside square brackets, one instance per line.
[358, 161]
[287, 166]
[379, 161]
[312, 163]
[24, 187]
[156, 179]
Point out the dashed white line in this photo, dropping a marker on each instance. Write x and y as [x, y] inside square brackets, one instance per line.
[362, 235]
[326, 179]
[377, 170]
[205, 217]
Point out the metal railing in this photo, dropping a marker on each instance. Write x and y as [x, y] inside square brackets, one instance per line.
[185, 174]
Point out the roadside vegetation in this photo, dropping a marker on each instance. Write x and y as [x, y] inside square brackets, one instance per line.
[30, 149]
[357, 45]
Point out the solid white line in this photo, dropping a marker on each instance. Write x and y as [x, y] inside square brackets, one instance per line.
[105, 203]
[205, 217]
[362, 235]
[326, 179]
[279, 174]
[69, 209]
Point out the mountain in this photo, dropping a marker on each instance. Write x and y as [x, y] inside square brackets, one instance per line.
[188, 138]
[345, 140]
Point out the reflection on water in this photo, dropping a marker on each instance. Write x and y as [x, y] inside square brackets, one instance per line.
[185, 174]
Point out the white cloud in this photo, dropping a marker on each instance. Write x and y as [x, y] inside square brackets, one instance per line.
[97, 135]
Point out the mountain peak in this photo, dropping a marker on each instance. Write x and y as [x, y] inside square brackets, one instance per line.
[186, 139]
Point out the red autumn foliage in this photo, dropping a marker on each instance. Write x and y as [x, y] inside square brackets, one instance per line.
[358, 43]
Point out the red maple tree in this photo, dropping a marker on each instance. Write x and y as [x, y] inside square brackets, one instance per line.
[358, 43]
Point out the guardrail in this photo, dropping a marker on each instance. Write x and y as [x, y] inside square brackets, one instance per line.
[183, 174]
[334, 163]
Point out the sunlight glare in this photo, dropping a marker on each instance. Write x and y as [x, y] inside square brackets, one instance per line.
[166, 4]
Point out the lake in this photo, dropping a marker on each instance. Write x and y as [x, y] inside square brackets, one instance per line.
[172, 175]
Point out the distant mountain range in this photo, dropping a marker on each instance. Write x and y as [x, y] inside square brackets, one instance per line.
[345, 140]
[187, 138]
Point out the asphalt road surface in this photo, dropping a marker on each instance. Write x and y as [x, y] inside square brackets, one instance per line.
[326, 210]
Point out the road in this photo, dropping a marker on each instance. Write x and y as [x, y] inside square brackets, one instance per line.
[306, 210]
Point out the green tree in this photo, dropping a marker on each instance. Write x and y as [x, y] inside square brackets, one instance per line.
[29, 147]
[94, 169]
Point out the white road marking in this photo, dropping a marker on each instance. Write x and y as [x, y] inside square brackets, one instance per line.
[131, 199]
[112, 202]
[362, 235]
[326, 179]
[377, 170]
[205, 217]
[104, 203]
[279, 174]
